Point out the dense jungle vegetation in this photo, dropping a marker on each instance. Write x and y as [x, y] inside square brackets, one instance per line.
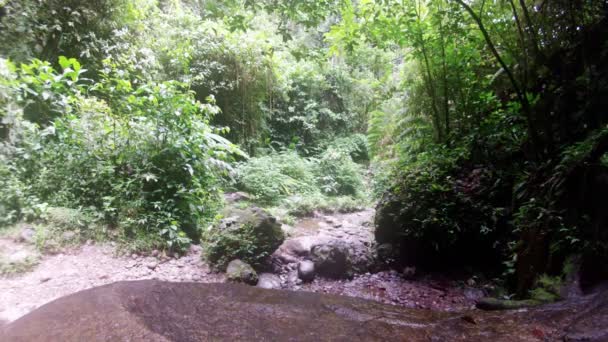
[479, 127]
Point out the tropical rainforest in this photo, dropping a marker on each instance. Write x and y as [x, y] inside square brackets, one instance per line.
[476, 128]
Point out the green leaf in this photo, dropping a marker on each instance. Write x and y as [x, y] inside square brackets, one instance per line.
[64, 62]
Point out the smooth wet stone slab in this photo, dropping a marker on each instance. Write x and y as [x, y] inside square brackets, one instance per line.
[150, 310]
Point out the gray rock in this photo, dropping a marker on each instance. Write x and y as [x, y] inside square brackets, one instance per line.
[386, 253]
[306, 270]
[68, 236]
[241, 272]
[27, 235]
[292, 277]
[474, 294]
[269, 281]
[152, 265]
[409, 272]
[195, 249]
[239, 196]
[571, 287]
[155, 253]
[332, 260]
[284, 258]
[295, 247]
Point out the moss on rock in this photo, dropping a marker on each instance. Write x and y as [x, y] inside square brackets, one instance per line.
[250, 234]
[240, 272]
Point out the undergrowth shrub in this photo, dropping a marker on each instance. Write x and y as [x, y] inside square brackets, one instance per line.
[302, 185]
[445, 209]
[61, 227]
[275, 176]
[337, 174]
[17, 201]
[145, 157]
[355, 145]
[307, 205]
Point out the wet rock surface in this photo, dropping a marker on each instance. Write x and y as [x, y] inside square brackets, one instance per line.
[161, 311]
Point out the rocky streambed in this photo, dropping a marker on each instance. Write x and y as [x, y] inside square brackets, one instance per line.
[344, 244]
[75, 269]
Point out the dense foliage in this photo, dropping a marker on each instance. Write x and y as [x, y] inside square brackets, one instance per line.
[481, 123]
[498, 99]
[144, 158]
[121, 110]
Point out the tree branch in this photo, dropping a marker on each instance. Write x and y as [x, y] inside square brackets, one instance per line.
[532, 132]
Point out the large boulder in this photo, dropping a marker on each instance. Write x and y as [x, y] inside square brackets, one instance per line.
[332, 260]
[298, 248]
[250, 234]
[152, 310]
[240, 272]
[392, 247]
[387, 220]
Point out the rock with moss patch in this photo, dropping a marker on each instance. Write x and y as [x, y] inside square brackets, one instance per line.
[250, 234]
[241, 272]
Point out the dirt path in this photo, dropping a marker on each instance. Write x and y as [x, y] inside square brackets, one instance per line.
[89, 266]
[93, 265]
